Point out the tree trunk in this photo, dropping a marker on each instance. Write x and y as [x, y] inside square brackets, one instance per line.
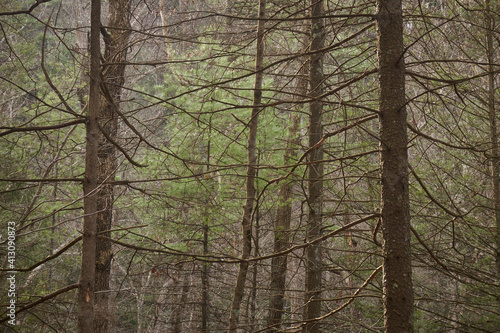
[165, 25]
[495, 151]
[82, 50]
[282, 225]
[205, 273]
[87, 274]
[205, 270]
[252, 317]
[246, 222]
[398, 294]
[312, 307]
[180, 305]
[115, 41]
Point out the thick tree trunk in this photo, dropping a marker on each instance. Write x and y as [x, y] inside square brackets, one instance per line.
[116, 39]
[246, 222]
[313, 264]
[87, 274]
[398, 294]
[495, 151]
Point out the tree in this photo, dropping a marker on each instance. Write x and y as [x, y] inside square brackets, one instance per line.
[115, 38]
[395, 212]
[312, 309]
[86, 296]
[495, 150]
[179, 94]
[246, 223]
[283, 222]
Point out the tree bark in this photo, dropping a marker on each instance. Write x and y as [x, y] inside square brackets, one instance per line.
[494, 149]
[398, 294]
[115, 41]
[312, 307]
[87, 274]
[246, 222]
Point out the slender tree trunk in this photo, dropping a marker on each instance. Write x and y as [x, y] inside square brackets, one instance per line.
[205, 273]
[246, 222]
[457, 309]
[82, 49]
[113, 286]
[279, 263]
[87, 274]
[178, 312]
[165, 24]
[140, 292]
[115, 41]
[495, 151]
[205, 270]
[255, 270]
[312, 307]
[282, 226]
[160, 323]
[398, 294]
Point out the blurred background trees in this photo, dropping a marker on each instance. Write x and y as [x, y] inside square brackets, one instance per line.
[177, 103]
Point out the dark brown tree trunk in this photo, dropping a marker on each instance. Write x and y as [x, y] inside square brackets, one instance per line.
[495, 151]
[312, 308]
[398, 293]
[115, 40]
[87, 274]
[246, 222]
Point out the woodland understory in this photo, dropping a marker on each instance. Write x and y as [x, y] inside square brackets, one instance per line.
[249, 166]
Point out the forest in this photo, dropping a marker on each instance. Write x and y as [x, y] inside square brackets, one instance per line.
[249, 166]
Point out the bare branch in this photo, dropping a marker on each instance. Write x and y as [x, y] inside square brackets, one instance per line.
[26, 11]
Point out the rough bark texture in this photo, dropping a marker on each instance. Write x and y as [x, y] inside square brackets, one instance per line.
[87, 274]
[495, 151]
[398, 294]
[115, 40]
[246, 222]
[312, 308]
